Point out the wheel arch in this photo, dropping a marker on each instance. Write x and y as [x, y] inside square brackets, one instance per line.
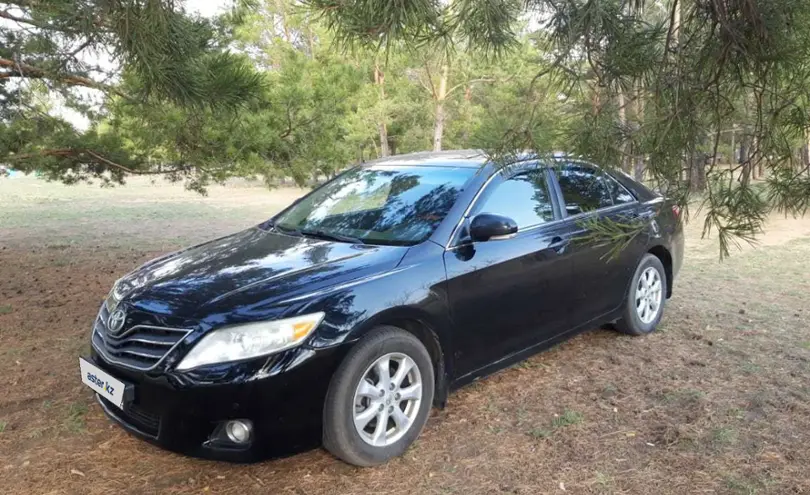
[426, 329]
[663, 254]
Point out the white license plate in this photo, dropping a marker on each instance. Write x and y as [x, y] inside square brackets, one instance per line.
[102, 383]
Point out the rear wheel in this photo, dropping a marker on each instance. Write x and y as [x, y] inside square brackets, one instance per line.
[644, 304]
[379, 398]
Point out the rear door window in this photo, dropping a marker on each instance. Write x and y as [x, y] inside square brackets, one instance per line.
[583, 188]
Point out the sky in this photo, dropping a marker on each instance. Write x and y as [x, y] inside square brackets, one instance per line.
[207, 8]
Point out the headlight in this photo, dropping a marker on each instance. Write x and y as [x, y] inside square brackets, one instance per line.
[250, 340]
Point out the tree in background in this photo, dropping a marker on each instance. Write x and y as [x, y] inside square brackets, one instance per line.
[686, 65]
[90, 55]
[303, 108]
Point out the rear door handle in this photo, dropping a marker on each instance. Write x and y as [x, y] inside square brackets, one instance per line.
[558, 243]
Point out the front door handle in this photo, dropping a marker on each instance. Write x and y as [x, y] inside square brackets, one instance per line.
[558, 244]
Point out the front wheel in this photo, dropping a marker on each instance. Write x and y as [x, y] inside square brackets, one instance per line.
[644, 304]
[379, 398]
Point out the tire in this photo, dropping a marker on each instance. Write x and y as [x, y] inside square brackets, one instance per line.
[360, 366]
[631, 321]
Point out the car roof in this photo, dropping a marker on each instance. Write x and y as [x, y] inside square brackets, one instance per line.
[455, 158]
[471, 158]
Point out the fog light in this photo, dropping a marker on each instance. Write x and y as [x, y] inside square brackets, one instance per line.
[238, 430]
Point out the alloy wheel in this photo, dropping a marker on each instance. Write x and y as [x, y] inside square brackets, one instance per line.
[387, 399]
[649, 294]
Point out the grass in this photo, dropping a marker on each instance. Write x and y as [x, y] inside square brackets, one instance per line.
[684, 396]
[540, 433]
[716, 404]
[741, 486]
[604, 481]
[567, 418]
[736, 413]
[83, 215]
[724, 436]
[751, 368]
[75, 420]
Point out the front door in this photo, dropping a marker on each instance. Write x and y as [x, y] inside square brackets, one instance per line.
[508, 294]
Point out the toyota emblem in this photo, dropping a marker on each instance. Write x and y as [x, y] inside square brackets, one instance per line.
[116, 321]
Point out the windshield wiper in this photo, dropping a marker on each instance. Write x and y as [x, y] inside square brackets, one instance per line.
[331, 236]
[286, 230]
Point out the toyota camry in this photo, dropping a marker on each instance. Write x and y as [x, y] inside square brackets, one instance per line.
[345, 317]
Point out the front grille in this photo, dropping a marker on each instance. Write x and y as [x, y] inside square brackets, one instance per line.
[140, 347]
[144, 421]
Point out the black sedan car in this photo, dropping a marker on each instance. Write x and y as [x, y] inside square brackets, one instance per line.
[345, 317]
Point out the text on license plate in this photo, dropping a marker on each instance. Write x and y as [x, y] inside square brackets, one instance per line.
[102, 383]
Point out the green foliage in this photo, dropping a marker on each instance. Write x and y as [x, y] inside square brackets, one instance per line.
[653, 88]
[650, 87]
[75, 417]
[145, 53]
[567, 418]
[615, 235]
[374, 23]
[540, 433]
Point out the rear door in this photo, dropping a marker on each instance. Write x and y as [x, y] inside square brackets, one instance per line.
[591, 199]
[507, 294]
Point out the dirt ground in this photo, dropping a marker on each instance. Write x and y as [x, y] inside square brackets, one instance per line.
[717, 401]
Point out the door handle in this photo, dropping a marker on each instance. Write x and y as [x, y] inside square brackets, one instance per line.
[558, 244]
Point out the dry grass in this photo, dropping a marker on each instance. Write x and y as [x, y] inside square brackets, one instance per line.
[718, 401]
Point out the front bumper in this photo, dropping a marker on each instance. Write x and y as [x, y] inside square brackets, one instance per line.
[181, 412]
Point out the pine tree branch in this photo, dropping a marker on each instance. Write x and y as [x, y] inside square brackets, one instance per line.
[78, 153]
[37, 24]
[430, 79]
[22, 70]
[422, 83]
[470, 82]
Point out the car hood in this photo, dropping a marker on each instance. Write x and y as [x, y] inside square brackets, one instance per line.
[249, 268]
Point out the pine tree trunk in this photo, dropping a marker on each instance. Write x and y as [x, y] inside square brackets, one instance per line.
[438, 127]
[465, 132]
[382, 128]
[755, 168]
[806, 151]
[745, 160]
[638, 169]
[438, 124]
[697, 172]
[733, 158]
[623, 123]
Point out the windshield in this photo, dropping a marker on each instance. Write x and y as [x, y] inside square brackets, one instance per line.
[379, 204]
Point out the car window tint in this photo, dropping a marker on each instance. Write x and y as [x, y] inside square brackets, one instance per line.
[583, 189]
[618, 192]
[523, 198]
[379, 204]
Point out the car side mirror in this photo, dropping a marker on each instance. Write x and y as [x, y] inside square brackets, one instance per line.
[489, 227]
